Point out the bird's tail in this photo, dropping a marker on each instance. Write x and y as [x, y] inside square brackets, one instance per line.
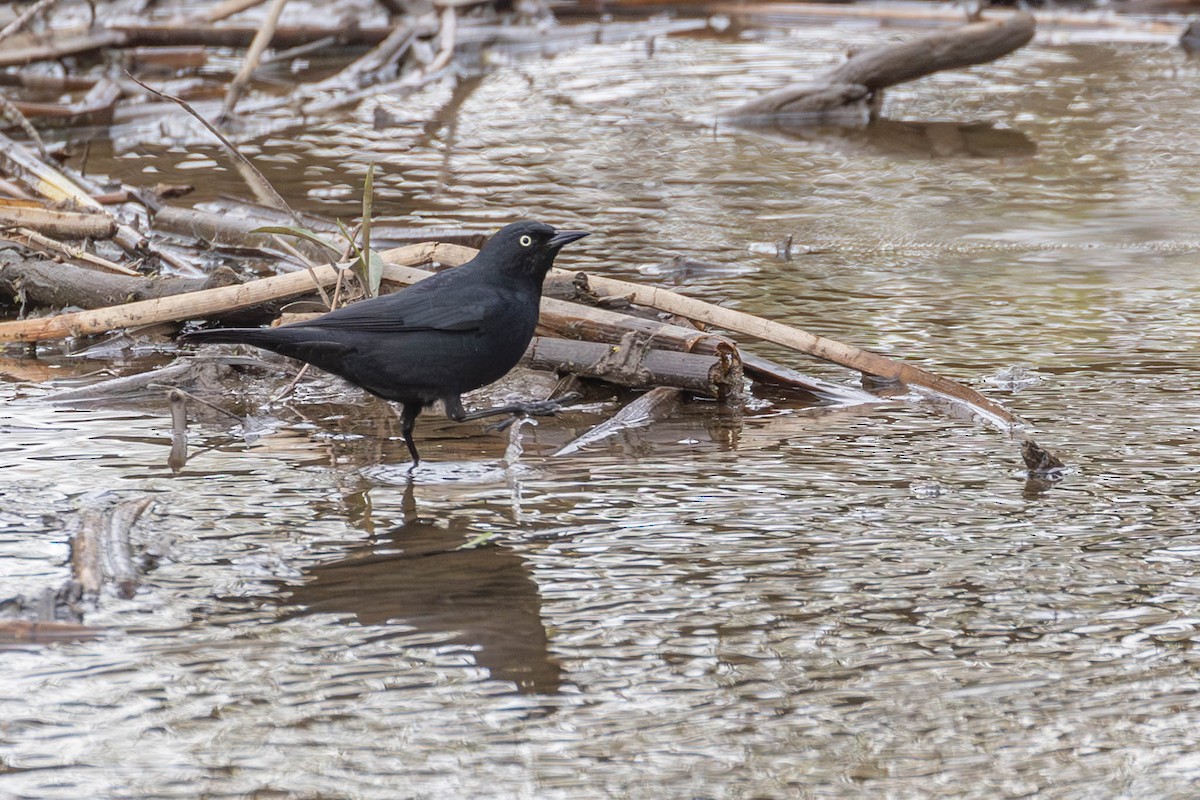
[260, 337]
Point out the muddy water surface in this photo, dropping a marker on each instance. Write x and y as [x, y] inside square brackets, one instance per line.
[868, 603]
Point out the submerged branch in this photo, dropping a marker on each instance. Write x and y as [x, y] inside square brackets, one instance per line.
[653, 405]
[868, 72]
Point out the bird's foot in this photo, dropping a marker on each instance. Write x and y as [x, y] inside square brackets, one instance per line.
[533, 408]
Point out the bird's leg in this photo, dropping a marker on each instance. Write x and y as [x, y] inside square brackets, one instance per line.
[532, 408]
[408, 419]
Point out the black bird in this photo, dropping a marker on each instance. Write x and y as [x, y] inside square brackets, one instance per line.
[451, 333]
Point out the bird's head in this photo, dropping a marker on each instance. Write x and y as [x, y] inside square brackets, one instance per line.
[527, 248]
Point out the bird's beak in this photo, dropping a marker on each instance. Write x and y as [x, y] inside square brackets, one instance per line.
[566, 237]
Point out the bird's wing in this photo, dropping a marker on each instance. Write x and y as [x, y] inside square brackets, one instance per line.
[458, 306]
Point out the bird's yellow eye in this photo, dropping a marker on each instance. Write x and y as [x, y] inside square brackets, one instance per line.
[526, 241]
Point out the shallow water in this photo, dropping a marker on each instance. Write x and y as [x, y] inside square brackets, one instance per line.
[865, 603]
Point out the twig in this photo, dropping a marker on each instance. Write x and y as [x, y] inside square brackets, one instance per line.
[253, 56]
[375, 60]
[299, 51]
[448, 32]
[228, 9]
[25, 16]
[258, 182]
[177, 458]
[75, 252]
[13, 113]
[291, 387]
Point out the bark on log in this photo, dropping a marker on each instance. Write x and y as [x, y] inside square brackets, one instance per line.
[631, 363]
[38, 282]
[867, 72]
[54, 223]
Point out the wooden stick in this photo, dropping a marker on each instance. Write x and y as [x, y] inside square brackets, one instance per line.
[197, 305]
[654, 404]
[33, 240]
[634, 365]
[45, 631]
[228, 8]
[62, 44]
[253, 56]
[154, 34]
[24, 17]
[177, 458]
[448, 33]
[15, 112]
[43, 179]
[51, 222]
[50, 183]
[796, 339]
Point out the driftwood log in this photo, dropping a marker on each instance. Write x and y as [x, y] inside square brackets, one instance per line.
[634, 364]
[41, 282]
[54, 222]
[856, 85]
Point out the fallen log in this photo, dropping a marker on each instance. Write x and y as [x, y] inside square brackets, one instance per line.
[58, 224]
[633, 364]
[209, 375]
[857, 83]
[39, 282]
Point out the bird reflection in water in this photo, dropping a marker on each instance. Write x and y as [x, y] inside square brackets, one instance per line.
[416, 578]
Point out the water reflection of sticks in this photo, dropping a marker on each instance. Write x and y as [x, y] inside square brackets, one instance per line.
[416, 580]
[913, 139]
